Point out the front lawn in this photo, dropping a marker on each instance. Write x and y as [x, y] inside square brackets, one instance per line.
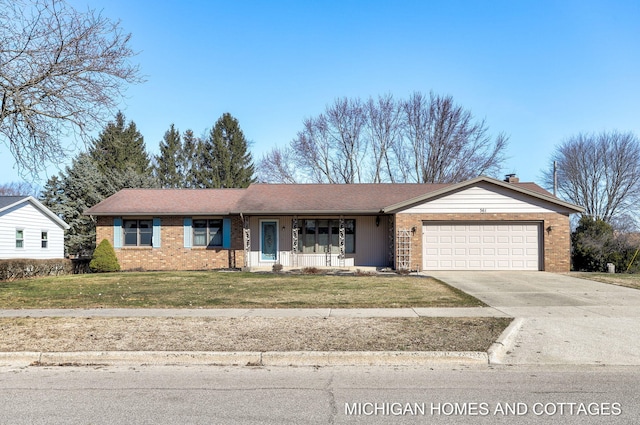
[621, 279]
[229, 290]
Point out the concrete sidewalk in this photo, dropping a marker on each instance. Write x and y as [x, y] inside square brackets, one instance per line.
[260, 312]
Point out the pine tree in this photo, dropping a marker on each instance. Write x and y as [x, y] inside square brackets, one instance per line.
[116, 160]
[189, 159]
[69, 194]
[236, 168]
[224, 161]
[120, 146]
[169, 164]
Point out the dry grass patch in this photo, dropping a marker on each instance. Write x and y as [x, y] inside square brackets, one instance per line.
[620, 279]
[250, 334]
[230, 290]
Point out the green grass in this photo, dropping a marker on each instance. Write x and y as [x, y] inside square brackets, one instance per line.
[229, 290]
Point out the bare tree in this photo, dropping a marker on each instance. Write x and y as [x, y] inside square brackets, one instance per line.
[421, 140]
[330, 148]
[384, 124]
[447, 144]
[600, 172]
[62, 73]
[18, 189]
[279, 166]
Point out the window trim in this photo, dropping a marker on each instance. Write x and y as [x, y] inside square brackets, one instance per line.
[148, 230]
[44, 239]
[208, 236]
[302, 234]
[20, 240]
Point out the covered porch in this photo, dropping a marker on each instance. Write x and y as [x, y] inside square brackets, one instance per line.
[327, 241]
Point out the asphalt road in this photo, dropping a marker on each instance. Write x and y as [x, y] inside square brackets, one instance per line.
[332, 395]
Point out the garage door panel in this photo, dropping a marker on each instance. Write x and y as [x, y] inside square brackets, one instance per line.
[484, 246]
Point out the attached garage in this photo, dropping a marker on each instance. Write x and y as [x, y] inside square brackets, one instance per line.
[483, 224]
[482, 246]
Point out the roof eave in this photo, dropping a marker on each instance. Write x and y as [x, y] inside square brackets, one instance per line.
[154, 214]
[309, 212]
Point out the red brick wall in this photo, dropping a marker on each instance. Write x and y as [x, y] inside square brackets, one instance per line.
[556, 244]
[172, 255]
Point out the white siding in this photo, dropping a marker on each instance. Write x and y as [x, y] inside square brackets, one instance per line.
[33, 221]
[485, 198]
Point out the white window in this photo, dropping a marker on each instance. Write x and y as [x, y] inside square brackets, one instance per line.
[19, 238]
[44, 239]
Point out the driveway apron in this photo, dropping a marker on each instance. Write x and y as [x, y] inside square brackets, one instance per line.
[564, 320]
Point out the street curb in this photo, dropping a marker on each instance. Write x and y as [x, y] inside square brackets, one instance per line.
[505, 342]
[270, 358]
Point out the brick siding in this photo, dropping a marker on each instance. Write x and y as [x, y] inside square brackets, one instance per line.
[556, 243]
[172, 255]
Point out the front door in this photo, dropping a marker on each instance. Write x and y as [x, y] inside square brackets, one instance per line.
[269, 240]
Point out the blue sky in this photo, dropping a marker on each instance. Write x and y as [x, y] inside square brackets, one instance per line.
[540, 71]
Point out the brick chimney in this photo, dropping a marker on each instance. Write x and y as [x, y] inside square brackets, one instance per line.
[511, 178]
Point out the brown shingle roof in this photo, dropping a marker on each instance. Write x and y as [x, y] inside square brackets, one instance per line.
[328, 198]
[168, 202]
[283, 198]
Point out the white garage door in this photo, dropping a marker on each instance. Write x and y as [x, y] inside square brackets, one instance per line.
[481, 246]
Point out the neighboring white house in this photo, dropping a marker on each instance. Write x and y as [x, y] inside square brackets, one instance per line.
[28, 229]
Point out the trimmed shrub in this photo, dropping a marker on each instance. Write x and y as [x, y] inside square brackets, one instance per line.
[104, 259]
[311, 270]
[22, 268]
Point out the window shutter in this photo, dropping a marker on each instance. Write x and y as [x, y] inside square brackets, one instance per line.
[156, 232]
[117, 232]
[226, 233]
[187, 232]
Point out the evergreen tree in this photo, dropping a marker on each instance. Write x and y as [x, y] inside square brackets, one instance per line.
[224, 160]
[189, 159]
[116, 160]
[169, 164]
[69, 194]
[104, 259]
[595, 243]
[119, 146]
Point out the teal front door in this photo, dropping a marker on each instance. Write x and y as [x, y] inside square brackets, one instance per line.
[269, 241]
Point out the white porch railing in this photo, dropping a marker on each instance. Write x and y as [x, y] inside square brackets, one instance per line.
[303, 260]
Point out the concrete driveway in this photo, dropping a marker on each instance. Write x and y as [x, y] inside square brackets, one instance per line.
[563, 320]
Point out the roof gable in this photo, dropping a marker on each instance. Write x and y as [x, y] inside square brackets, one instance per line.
[9, 202]
[522, 191]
